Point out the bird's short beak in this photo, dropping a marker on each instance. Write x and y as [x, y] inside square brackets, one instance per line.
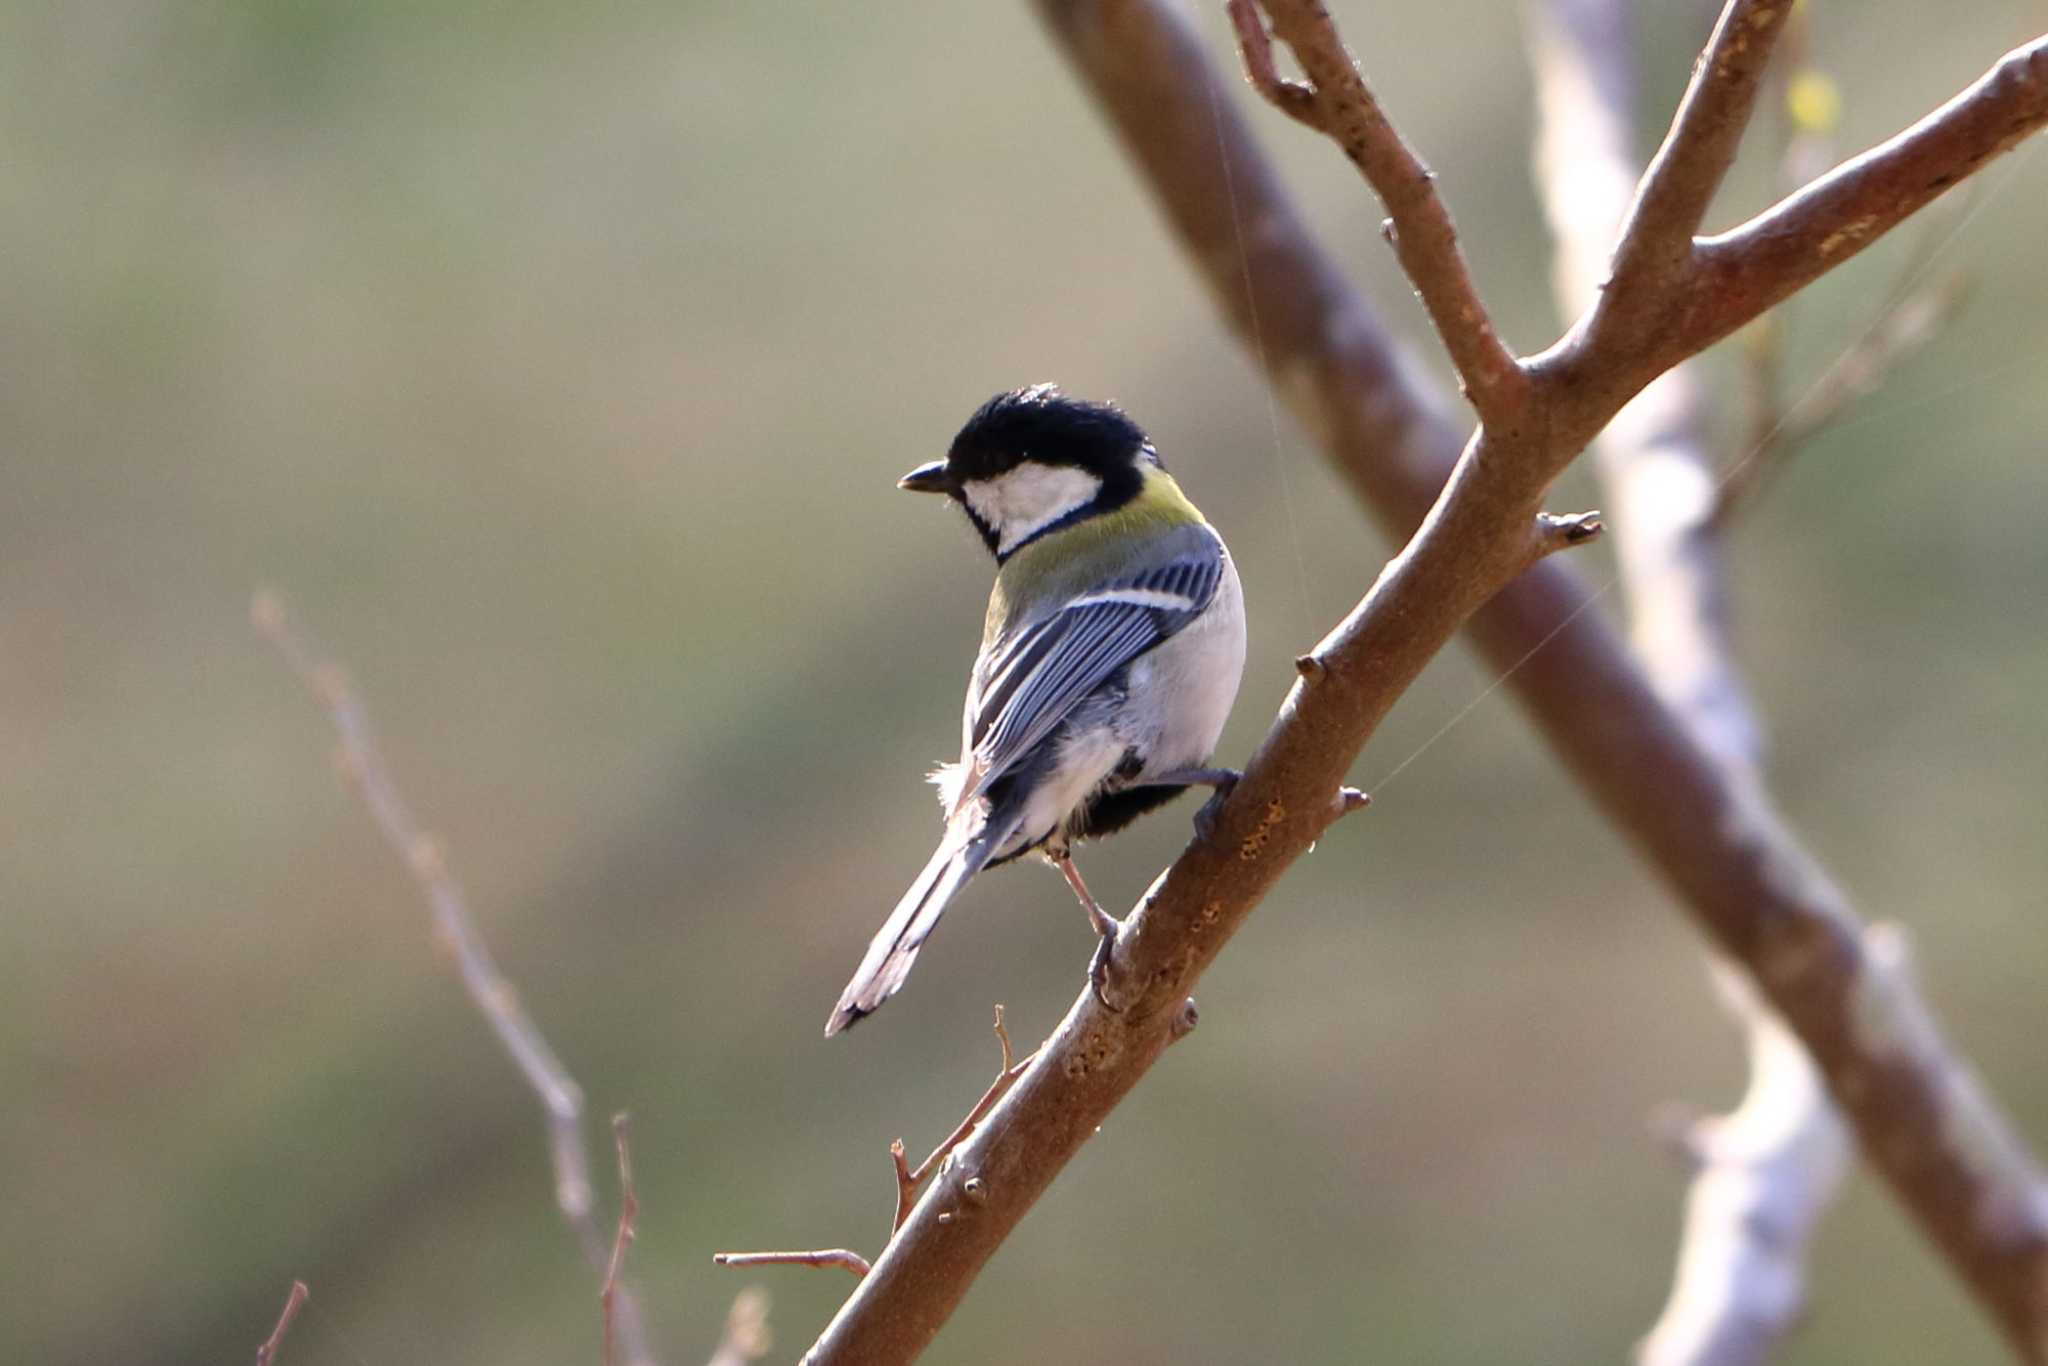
[929, 478]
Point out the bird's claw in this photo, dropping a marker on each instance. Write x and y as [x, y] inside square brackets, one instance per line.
[1100, 966]
[1205, 818]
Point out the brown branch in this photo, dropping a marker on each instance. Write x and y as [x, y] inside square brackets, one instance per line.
[629, 1211]
[1729, 858]
[1748, 269]
[844, 1258]
[1766, 1172]
[362, 763]
[1338, 102]
[293, 1303]
[1654, 251]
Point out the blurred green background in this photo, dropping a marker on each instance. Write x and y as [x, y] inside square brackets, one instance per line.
[556, 363]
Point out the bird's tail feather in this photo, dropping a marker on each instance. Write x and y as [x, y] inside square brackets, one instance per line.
[894, 947]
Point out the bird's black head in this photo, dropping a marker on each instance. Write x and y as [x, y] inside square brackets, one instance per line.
[1044, 425]
[1032, 460]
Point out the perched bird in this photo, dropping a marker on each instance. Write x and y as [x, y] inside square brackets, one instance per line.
[1111, 654]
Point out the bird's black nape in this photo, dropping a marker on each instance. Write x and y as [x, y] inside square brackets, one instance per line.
[1042, 424]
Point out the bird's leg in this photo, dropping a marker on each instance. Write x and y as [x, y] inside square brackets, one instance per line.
[1222, 779]
[1106, 926]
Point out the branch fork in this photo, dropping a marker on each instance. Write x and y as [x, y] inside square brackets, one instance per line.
[1739, 871]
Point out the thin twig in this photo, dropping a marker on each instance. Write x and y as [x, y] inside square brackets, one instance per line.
[362, 763]
[906, 1185]
[267, 1353]
[1914, 317]
[629, 1211]
[1338, 102]
[844, 1258]
[908, 1180]
[1012, 1069]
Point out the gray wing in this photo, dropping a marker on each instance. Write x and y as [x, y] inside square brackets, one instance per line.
[1035, 679]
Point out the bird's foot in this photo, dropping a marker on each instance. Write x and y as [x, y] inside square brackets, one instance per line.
[1102, 965]
[1205, 819]
[1106, 926]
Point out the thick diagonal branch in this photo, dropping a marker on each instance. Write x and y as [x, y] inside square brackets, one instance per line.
[1730, 860]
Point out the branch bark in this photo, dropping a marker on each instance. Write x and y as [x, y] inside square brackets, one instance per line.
[1946, 1152]
[1654, 253]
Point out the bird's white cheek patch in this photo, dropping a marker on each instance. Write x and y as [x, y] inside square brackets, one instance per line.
[1028, 499]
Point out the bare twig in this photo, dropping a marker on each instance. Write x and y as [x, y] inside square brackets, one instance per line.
[1752, 888]
[1914, 317]
[844, 1258]
[1010, 1071]
[907, 1180]
[362, 763]
[267, 1353]
[1338, 102]
[746, 1330]
[629, 1211]
[906, 1185]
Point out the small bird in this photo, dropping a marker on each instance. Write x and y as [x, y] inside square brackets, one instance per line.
[1109, 660]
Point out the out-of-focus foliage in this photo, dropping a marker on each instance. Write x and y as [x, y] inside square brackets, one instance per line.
[556, 361]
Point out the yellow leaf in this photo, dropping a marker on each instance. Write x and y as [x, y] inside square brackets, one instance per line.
[1814, 101]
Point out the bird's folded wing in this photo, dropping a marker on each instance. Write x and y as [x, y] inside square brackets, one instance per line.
[1036, 678]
